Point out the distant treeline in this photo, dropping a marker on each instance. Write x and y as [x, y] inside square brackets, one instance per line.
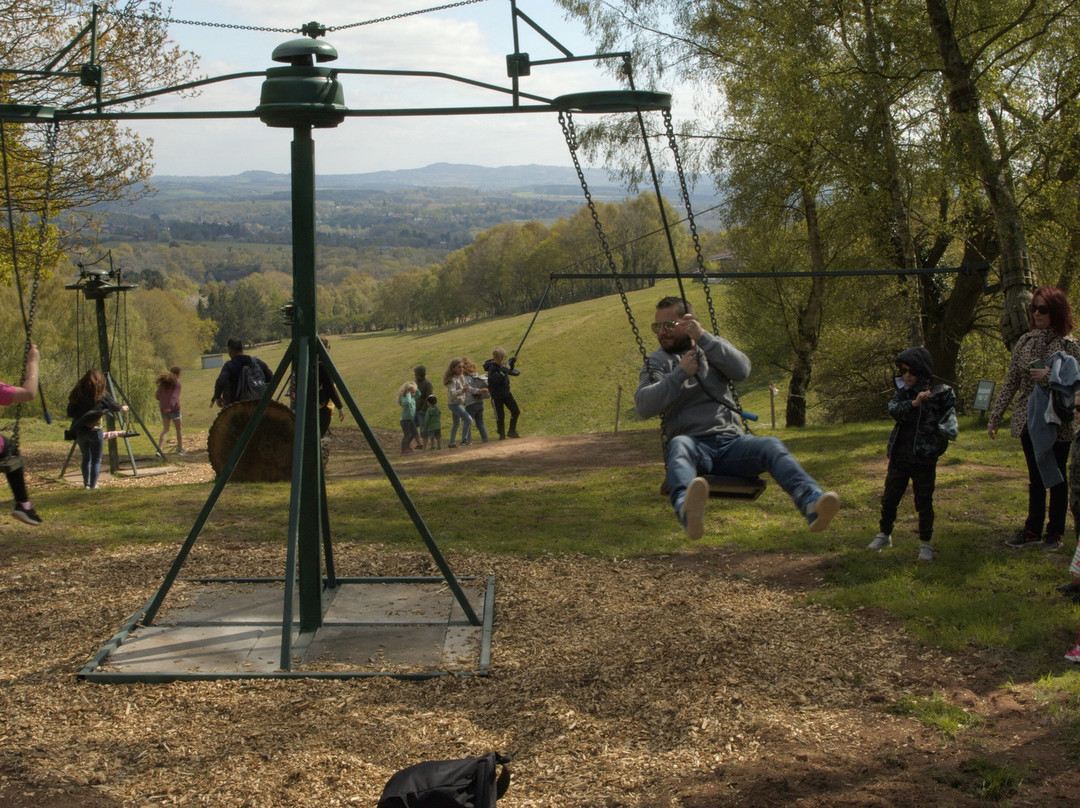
[239, 287]
[446, 218]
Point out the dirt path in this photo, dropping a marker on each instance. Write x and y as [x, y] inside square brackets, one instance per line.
[694, 680]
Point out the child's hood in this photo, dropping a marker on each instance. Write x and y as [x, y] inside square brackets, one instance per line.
[918, 359]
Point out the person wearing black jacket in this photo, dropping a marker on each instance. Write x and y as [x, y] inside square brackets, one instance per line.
[498, 384]
[925, 423]
[226, 388]
[88, 401]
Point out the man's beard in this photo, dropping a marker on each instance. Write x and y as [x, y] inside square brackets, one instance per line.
[678, 344]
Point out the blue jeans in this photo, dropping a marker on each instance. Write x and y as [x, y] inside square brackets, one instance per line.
[91, 445]
[476, 412]
[460, 417]
[737, 456]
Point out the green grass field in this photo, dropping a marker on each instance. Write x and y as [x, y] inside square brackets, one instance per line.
[978, 593]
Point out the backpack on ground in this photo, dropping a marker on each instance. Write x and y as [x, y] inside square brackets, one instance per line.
[252, 381]
[465, 783]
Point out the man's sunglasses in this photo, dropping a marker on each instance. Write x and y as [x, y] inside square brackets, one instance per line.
[668, 325]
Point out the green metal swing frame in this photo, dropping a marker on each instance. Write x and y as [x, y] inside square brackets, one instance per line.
[303, 96]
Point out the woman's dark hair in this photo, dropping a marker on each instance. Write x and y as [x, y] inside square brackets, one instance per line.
[1061, 319]
[92, 384]
[450, 371]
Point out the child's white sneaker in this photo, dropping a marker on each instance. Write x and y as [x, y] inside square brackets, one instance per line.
[880, 542]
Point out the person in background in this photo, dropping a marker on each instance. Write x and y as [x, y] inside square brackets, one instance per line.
[327, 393]
[499, 373]
[227, 387]
[474, 396]
[424, 390]
[925, 423]
[688, 380]
[16, 478]
[406, 397]
[456, 387]
[433, 424]
[1051, 323]
[88, 401]
[168, 396]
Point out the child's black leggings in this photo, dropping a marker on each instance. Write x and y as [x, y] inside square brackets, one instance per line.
[923, 477]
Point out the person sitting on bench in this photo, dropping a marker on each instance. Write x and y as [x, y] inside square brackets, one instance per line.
[688, 380]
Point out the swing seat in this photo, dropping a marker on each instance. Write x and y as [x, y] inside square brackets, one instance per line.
[11, 463]
[727, 487]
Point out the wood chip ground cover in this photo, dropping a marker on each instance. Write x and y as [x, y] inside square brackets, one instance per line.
[669, 681]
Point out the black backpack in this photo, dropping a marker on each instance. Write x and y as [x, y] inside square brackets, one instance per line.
[252, 381]
[1063, 405]
[465, 783]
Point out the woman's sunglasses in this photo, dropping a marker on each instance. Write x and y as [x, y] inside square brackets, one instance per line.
[1040, 309]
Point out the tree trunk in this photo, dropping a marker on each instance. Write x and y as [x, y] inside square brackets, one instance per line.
[809, 325]
[949, 319]
[971, 142]
[892, 165]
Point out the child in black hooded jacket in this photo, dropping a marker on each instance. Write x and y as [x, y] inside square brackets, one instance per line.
[925, 423]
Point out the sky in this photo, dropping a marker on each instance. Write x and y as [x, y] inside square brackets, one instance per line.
[470, 41]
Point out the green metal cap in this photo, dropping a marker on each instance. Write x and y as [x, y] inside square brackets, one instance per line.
[302, 94]
[304, 52]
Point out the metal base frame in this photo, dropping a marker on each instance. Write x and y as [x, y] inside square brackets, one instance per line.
[98, 668]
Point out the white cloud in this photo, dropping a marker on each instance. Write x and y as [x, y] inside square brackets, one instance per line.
[470, 41]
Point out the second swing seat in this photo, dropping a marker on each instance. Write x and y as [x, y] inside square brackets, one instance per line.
[729, 487]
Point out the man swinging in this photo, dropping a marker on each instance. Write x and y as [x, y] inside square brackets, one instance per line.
[688, 381]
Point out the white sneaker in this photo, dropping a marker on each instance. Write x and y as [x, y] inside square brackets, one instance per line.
[822, 510]
[692, 512]
[880, 542]
[926, 553]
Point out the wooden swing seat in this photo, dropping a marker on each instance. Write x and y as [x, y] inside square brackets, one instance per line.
[727, 487]
[11, 463]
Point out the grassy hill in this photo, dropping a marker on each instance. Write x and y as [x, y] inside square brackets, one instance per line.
[572, 365]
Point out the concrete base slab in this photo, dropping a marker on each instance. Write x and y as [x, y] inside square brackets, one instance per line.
[410, 628]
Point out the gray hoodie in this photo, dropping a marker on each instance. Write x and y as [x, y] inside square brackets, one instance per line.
[664, 387]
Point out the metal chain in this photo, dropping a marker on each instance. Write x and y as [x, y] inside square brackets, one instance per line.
[50, 149]
[309, 29]
[405, 14]
[674, 146]
[566, 121]
[120, 15]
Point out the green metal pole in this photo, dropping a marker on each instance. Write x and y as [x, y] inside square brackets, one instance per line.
[306, 490]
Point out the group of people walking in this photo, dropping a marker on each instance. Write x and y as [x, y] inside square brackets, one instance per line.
[466, 392]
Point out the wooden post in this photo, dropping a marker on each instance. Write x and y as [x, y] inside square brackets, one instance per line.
[772, 403]
[618, 406]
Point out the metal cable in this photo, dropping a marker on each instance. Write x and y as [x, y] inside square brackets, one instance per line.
[307, 29]
[566, 121]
